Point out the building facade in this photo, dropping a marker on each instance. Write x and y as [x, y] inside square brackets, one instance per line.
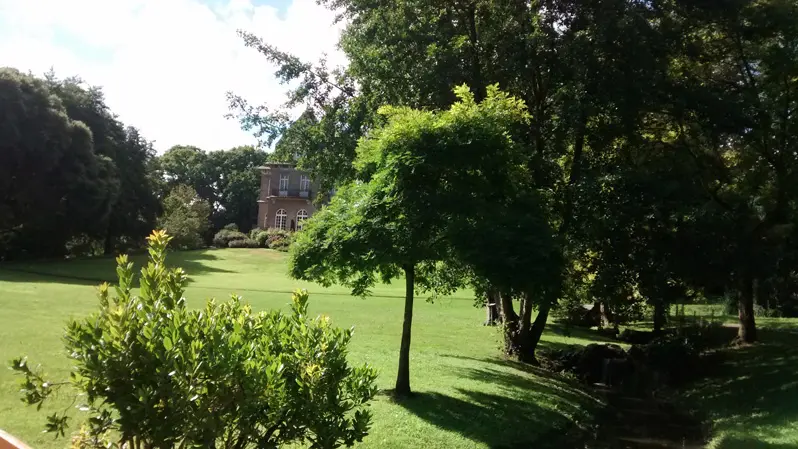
[286, 197]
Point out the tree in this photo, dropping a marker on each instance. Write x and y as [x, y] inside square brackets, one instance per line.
[185, 217]
[135, 205]
[238, 185]
[228, 180]
[614, 88]
[53, 185]
[735, 72]
[436, 181]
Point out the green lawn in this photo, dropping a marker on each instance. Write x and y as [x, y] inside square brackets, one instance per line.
[752, 399]
[467, 397]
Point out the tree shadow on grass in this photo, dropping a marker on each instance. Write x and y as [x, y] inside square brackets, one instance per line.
[754, 395]
[751, 443]
[508, 407]
[577, 332]
[96, 270]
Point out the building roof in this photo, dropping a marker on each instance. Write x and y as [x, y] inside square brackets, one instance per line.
[276, 164]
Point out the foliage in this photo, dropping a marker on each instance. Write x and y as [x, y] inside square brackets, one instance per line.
[54, 184]
[185, 217]
[660, 132]
[135, 207]
[230, 227]
[243, 243]
[160, 375]
[227, 180]
[223, 238]
[278, 239]
[571, 312]
[411, 216]
[280, 243]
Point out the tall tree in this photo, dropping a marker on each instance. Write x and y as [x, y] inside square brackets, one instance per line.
[614, 88]
[406, 218]
[185, 217]
[135, 206]
[738, 72]
[54, 186]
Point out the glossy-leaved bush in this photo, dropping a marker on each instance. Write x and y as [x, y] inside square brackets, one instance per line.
[156, 374]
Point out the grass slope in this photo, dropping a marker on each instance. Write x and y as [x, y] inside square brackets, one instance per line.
[752, 401]
[467, 398]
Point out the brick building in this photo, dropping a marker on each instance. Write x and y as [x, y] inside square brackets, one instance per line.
[286, 197]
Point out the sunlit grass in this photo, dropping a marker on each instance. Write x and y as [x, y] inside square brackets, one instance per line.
[467, 397]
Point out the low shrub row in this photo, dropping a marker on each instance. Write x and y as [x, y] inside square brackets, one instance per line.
[277, 239]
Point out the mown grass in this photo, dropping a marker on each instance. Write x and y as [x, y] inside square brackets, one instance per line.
[467, 397]
[752, 397]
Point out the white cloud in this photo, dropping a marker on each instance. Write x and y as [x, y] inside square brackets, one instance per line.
[165, 65]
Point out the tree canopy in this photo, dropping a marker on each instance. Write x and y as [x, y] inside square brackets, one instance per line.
[431, 177]
[661, 132]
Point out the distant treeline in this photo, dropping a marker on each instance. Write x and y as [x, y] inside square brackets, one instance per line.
[76, 180]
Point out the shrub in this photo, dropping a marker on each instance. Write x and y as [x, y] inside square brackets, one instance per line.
[246, 243]
[185, 217]
[223, 238]
[261, 237]
[277, 239]
[279, 242]
[253, 233]
[84, 245]
[156, 374]
[231, 227]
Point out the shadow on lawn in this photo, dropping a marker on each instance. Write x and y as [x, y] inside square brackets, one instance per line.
[754, 396]
[524, 411]
[577, 332]
[96, 270]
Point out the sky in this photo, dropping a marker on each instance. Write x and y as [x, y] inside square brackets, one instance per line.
[165, 65]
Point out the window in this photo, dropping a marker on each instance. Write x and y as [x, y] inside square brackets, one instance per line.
[279, 219]
[304, 183]
[301, 216]
[283, 182]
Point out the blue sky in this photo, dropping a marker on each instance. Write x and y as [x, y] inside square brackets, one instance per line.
[165, 65]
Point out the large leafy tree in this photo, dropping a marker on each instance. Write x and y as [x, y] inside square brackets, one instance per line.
[53, 184]
[564, 59]
[617, 90]
[733, 113]
[427, 172]
[135, 205]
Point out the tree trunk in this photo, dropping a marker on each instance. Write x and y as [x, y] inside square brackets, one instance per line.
[108, 244]
[510, 323]
[492, 308]
[536, 331]
[659, 316]
[606, 315]
[403, 376]
[745, 310]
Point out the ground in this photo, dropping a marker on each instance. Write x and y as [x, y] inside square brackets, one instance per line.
[466, 396]
[752, 400]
